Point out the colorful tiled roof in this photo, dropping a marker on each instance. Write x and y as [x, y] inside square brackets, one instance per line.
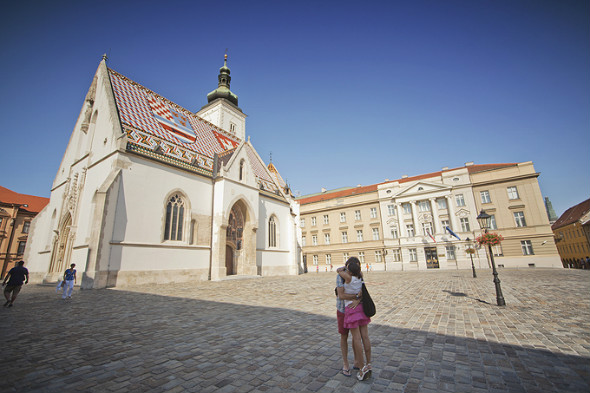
[572, 214]
[35, 203]
[151, 121]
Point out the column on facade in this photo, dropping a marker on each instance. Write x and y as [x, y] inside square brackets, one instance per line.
[414, 217]
[435, 220]
[400, 219]
[451, 209]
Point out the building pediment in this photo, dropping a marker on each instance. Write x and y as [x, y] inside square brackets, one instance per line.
[422, 189]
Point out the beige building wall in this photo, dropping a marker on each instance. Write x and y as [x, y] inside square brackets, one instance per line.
[340, 224]
[512, 196]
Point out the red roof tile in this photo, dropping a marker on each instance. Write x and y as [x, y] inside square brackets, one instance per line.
[572, 214]
[35, 203]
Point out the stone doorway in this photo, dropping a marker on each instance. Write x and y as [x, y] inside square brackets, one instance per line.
[229, 260]
[431, 258]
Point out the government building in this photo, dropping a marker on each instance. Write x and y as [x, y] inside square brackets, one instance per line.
[428, 221]
[151, 192]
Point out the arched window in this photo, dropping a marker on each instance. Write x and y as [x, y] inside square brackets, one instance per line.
[272, 232]
[241, 170]
[174, 218]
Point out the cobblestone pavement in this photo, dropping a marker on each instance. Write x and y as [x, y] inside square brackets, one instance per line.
[435, 331]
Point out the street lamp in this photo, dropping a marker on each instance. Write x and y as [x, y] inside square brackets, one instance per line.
[484, 222]
[470, 250]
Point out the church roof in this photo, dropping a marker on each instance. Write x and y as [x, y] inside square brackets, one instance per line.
[35, 203]
[152, 121]
[157, 126]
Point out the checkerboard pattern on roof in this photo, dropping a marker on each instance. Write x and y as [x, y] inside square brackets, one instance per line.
[133, 103]
[259, 170]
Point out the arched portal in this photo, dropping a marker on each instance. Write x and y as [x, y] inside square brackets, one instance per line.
[234, 238]
[62, 248]
[239, 247]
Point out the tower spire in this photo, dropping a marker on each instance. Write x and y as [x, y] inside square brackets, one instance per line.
[223, 90]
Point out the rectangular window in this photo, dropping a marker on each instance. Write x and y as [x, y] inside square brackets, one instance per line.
[391, 210]
[313, 221]
[512, 192]
[314, 240]
[315, 259]
[442, 203]
[497, 250]
[413, 255]
[519, 219]
[359, 235]
[397, 255]
[493, 224]
[21, 248]
[460, 200]
[342, 217]
[427, 228]
[424, 206]
[445, 224]
[302, 241]
[344, 237]
[326, 238]
[326, 219]
[465, 225]
[357, 215]
[26, 226]
[302, 223]
[394, 233]
[378, 256]
[362, 257]
[328, 259]
[373, 212]
[451, 252]
[346, 257]
[410, 229]
[407, 208]
[375, 233]
[527, 247]
[485, 197]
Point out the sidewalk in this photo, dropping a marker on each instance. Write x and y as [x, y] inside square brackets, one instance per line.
[435, 331]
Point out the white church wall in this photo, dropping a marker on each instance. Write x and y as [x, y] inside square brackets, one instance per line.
[275, 260]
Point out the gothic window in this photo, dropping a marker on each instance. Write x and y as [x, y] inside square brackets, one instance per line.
[272, 232]
[241, 170]
[174, 218]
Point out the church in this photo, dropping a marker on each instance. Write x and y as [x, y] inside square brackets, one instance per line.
[150, 192]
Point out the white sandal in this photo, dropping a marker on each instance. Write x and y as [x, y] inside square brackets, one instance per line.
[365, 373]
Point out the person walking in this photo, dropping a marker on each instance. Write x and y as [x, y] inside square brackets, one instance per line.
[70, 280]
[340, 309]
[15, 277]
[355, 318]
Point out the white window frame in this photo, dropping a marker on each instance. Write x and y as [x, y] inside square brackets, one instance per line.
[326, 219]
[373, 212]
[362, 257]
[359, 235]
[314, 240]
[326, 238]
[493, 224]
[328, 259]
[424, 206]
[313, 221]
[410, 230]
[302, 223]
[485, 196]
[451, 253]
[315, 260]
[413, 254]
[427, 228]
[527, 247]
[407, 208]
[460, 200]
[512, 192]
[303, 241]
[345, 257]
[375, 233]
[396, 254]
[465, 227]
[442, 203]
[378, 256]
[519, 219]
[394, 232]
[391, 210]
[342, 216]
[357, 215]
[344, 237]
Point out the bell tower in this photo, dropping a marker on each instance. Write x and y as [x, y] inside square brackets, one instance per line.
[222, 106]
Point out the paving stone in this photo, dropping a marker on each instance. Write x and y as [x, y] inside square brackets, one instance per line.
[278, 334]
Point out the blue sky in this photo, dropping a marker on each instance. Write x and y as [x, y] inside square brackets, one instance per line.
[342, 93]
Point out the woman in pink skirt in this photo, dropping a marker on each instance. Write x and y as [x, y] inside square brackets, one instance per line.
[355, 318]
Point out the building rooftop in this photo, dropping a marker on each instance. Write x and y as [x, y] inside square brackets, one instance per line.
[572, 214]
[34, 203]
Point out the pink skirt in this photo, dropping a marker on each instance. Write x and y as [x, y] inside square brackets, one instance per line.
[355, 317]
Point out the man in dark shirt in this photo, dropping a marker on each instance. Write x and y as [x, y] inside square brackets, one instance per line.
[15, 277]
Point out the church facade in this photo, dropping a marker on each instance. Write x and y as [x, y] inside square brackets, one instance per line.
[150, 192]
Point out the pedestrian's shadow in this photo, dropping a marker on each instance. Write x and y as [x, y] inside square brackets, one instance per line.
[461, 294]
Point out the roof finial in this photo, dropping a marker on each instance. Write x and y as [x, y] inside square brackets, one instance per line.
[104, 57]
[271, 156]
